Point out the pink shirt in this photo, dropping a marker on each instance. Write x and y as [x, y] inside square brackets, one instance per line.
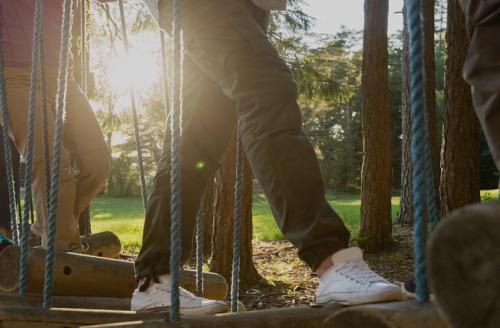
[16, 28]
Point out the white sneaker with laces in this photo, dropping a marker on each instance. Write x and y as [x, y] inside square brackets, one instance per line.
[350, 281]
[157, 297]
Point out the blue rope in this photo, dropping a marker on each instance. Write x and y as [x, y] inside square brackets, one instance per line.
[235, 274]
[175, 177]
[7, 153]
[134, 114]
[28, 198]
[45, 124]
[430, 188]
[58, 132]
[420, 152]
[199, 252]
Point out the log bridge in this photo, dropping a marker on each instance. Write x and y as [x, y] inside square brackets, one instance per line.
[95, 291]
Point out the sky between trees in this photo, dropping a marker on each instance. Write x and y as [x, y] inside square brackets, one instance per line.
[331, 14]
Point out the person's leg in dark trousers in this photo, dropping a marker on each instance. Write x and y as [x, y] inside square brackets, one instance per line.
[208, 123]
[240, 73]
[282, 158]
[482, 67]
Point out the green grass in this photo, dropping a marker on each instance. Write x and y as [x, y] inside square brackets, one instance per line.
[125, 216]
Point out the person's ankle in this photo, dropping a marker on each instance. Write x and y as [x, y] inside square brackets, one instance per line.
[326, 264]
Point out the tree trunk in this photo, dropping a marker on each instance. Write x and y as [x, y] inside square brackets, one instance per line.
[376, 225]
[208, 219]
[460, 150]
[405, 214]
[430, 87]
[224, 217]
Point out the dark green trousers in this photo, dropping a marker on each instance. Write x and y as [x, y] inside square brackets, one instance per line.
[233, 72]
[482, 66]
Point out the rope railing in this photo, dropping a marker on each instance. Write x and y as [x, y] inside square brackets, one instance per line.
[423, 184]
[56, 160]
[175, 173]
[135, 118]
[199, 251]
[235, 272]
[30, 146]
[7, 154]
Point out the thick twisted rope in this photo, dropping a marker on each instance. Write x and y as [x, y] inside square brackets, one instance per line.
[30, 146]
[420, 152]
[235, 273]
[135, 119]
[175, 173]
[45, 124]
[56, 160]
[83, 41]
[7, 152]
[199, 252]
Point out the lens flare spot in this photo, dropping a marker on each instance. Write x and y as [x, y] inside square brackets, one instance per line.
[200, 165]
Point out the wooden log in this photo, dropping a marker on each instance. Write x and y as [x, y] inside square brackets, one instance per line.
[465, 266]
[84, 275]
[75, 302]
[102, 244]
[388, 315]
[17, 317]
[294, 317]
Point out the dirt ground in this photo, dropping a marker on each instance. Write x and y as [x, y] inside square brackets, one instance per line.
[288, 281]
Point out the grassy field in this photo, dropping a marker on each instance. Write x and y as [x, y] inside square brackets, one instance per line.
[125, 216]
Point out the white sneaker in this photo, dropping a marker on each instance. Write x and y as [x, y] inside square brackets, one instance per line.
[157, 297]
[350, 281]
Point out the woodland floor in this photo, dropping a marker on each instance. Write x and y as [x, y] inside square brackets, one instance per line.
[288, 281]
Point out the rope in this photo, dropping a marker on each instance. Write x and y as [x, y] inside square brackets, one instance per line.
[29, 151]
[235, 274]
[58, 129]
[199, 252]
[45, 132]
[164, 66]
[175, 177]
[420, 152]
[83, 40]
[7, 153]
[134, 114]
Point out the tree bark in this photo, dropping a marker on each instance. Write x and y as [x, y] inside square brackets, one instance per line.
[460, 150]
[405, 214]
[208, 219]
[430, 87]
[224, 218]
[376, 225]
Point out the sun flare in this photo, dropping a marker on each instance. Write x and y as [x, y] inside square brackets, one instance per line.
[137, 68]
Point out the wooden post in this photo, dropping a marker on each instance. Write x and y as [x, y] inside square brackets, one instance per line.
[465, 266]
[102, 244]
[293, 317]
[74, 302]
[21, 317]
[388, 315]
[84, 275]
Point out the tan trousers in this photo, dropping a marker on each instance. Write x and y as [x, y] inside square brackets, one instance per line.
[85, 158]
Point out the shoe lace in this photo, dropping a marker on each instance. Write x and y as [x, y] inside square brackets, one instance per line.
[360, 273]
[146, 282]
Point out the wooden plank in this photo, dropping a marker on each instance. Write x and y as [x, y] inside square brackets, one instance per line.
[102, 244]
[62, 317]
[465, 266]
[78, 302]
[294, 317]
[84, 275]
[388, 315]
